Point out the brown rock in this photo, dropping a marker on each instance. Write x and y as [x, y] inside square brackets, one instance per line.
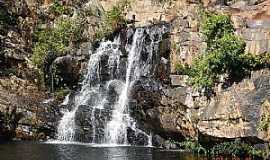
[235, 112]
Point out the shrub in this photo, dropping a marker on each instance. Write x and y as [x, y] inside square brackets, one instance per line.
[57, 8]
[182, 69]
[192, 146]
[225, 55]
[236, 148]
[56, 40]
[215, 27]
[113, 19]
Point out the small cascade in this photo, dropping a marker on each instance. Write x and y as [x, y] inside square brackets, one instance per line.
[90, 94]
[100, 111]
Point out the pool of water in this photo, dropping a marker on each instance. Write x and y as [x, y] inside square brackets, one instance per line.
[57, 151]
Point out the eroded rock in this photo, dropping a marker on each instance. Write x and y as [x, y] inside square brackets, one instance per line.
[235, 112]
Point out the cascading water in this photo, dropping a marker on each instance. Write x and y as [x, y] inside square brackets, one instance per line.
[91, 91]
[116, 129]
[100, 111]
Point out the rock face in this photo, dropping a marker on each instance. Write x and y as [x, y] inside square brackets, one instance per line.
[163, 110]
[15, 36]
[236, 111]
[26, 116]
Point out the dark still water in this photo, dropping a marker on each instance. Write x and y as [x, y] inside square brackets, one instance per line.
[41, 151]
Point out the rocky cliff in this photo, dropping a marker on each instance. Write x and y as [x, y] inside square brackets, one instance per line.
[169, 107]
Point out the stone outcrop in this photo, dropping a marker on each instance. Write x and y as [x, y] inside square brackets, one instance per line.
[35, 118]
[163, 110]
[236, 111]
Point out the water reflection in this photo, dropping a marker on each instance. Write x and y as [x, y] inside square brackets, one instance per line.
[66, 152]
[37, 151]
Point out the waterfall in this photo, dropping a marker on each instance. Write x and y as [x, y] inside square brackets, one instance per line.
[100, 111]
[90, 91]
[116, 129]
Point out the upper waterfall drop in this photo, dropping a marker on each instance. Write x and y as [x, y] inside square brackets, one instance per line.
[100, 111]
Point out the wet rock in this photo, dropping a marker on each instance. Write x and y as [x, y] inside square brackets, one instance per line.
[158, 141]
[137, 137]
[169, 145]
[163, 111]
[67, 71]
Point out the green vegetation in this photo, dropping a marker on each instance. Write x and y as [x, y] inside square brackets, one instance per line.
[236, 148]
[264, 122]
[182, 69]
[61, 93]
[192, 146]
[233, 148]
[113, 19]
[58, 9]
[56, 40]
[225, 55]
[215, 27]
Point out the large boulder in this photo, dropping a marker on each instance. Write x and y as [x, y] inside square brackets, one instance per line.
[67, 71]
[163, 110]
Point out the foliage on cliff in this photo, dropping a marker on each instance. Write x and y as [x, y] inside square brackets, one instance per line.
[225, 55]
[114, 19]
[56, 40]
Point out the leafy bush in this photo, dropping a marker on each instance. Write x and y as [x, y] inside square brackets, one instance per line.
[57, 8]
[182, 69]
[236, 148]
[56, 40]
[225, 55]
[192, 146]
[113, 19]
[215, 27]
[227, 58]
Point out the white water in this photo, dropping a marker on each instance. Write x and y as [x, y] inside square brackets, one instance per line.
[105, 72]
[67, 127]
[116, 129]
